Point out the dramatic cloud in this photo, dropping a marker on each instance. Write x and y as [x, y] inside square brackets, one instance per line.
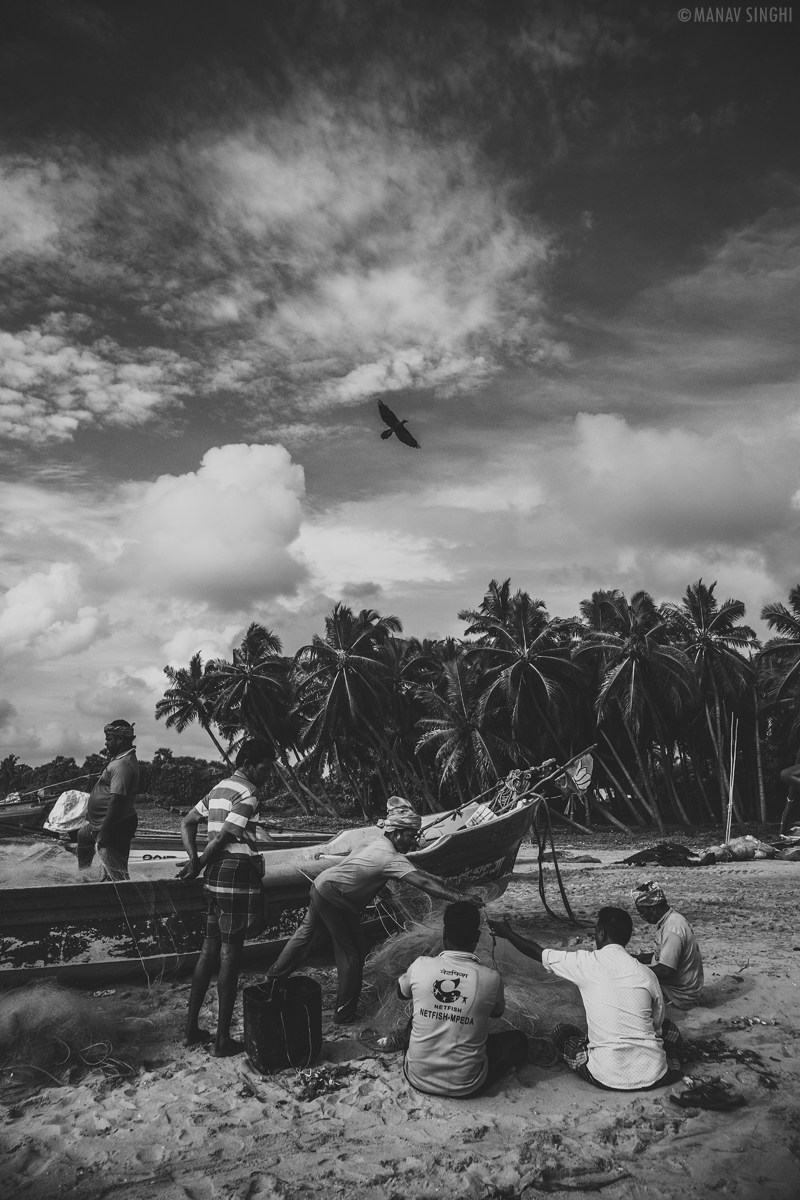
[220, 534]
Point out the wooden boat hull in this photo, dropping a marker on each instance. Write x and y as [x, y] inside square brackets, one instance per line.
[154, 916]
[16, 818]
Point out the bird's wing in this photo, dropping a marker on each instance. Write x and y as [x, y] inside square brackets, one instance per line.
[406, 438]
[386, 414]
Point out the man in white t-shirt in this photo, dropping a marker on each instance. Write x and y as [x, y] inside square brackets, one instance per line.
[677, 962]
[341, 893]
[630, 1044]
[450, 1050]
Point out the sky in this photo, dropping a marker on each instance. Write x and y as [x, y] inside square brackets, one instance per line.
[561, 239]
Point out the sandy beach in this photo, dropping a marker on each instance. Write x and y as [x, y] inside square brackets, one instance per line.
[185, 1125]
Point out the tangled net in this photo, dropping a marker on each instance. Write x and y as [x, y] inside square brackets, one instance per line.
[535, 999]
[49, 1035]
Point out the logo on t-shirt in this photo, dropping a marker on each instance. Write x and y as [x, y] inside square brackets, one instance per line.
[447, 990]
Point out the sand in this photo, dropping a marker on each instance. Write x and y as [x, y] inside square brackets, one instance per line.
[188, 1126]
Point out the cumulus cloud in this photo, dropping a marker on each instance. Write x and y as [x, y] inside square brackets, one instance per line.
[51, 385]
[44, 611]
[221, 534]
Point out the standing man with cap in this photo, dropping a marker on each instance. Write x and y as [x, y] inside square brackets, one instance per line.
[677, 962]
[341, 893]
[111, 816]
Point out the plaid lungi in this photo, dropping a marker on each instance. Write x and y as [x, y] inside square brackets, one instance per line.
[235, 900]
[573, 1048]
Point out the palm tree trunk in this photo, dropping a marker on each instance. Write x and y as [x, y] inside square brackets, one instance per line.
[356, 790]
[720, 766]
[655, 815]
[605, 813]
[762, 799]
[620, 791]
[675, 798]
[700, 788]
[654, 809]
[223, 752]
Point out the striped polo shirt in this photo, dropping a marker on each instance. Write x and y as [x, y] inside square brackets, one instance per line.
[232, 806]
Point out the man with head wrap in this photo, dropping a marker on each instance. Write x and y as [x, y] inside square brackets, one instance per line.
[111, 816]
[677, 962]
[341, 893]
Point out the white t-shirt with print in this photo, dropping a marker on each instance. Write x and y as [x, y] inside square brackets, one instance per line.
[624, 1013]
[454, 996]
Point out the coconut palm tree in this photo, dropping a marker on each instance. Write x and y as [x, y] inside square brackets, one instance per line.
[529, 671]
[189, 698]
[711, 635]
[782, 653]
[468, 754]
[342, 687]
[496, 608]
[644, 680]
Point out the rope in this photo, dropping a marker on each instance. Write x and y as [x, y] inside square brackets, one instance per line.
[541, 842]
[59, 783]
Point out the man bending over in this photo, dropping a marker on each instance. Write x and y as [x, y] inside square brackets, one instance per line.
[451, 1052]
[677, 962]
[340, 894]
[630, 1044]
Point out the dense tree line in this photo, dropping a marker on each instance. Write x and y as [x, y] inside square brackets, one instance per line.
[678, 698]
[179, 779]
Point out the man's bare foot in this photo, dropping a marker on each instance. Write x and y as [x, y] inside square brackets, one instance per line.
[197, 1037]
[227, 1048]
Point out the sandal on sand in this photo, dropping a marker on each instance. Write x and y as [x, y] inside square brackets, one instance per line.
[709, 1095]
[388, 1043]
[542, 1052]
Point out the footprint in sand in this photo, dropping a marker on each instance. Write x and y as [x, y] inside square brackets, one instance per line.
[266, 1187]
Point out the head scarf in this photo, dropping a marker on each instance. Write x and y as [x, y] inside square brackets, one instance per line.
[120, 728]
[400, 815]
[648, 894]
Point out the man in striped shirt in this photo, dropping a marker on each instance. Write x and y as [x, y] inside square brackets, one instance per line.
[232, 884]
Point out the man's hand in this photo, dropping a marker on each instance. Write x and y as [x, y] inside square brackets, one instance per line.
[189, 870]
[501, 927]
[475, 898]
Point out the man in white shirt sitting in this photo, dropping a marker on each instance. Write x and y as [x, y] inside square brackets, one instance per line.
[450, 1050]
[677, 962]
[630, 1045]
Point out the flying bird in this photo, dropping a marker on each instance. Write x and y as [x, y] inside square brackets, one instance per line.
[396, 426]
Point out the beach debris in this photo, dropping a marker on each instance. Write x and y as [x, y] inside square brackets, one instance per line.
[571, 1179]
[739, 849]
[717, 1096]
[321, 1081]
[106, 992]
[665, 854]
[716, 1050]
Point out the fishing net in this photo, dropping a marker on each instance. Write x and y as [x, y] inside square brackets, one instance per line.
[51, 1035]
[535, 999]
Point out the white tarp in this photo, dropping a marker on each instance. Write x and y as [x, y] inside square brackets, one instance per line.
[68, 812]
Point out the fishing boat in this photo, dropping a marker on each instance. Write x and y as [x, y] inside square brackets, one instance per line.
[19, 816]
[139, 930]
[154, 845]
